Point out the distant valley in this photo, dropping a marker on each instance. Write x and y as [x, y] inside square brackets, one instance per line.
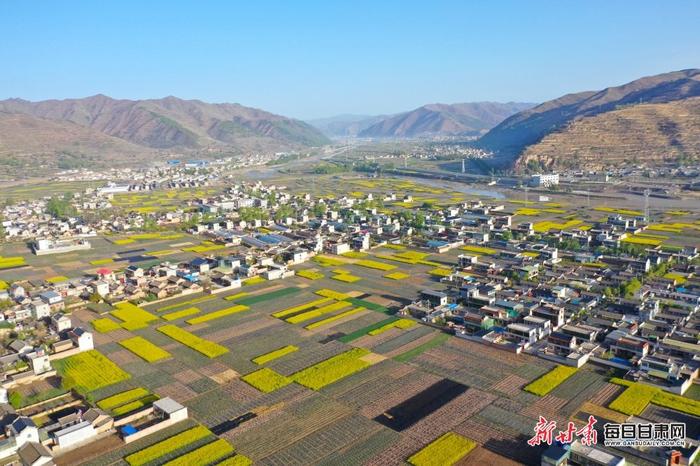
[465, 119]
[342, 126]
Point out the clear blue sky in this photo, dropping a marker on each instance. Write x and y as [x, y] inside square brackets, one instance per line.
[311, 59]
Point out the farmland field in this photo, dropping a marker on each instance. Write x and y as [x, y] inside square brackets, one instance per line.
[549, 381]
[166, 446]
[272, 355]
[122, 398]
[446, 450]
[144, 349]
[332, 369]
[312, 369]
[88, 371]
[205, 347]
[266, 380]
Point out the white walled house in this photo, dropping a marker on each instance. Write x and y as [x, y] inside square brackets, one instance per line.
[22, 430]
[340, 248]
[74, 435]
[81, 338]
[40, 362]
[60, 322]
[40, 309]
[170, 409]
[101, 288]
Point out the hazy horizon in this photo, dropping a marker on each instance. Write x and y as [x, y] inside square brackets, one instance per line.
[313, 60]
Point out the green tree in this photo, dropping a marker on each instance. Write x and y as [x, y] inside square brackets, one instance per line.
[15, 399]
[319, 209]
[271, 199]
[249, 214]
[631, 287]
[418, 220]
[283, 212]
[60, 207]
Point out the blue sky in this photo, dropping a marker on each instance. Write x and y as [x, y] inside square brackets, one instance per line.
[311, 59]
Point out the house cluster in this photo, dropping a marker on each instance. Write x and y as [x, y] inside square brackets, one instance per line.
[44, 332]
[22, 441]
[42, 337]
[29, 219]
[634, 310]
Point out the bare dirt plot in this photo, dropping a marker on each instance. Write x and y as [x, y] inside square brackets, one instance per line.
[123, 357]
[380, 300]
[301, 419]
[479, 372]
[481, 455]
[370, 341]
[607, 394]
[224, 377]
[89, 451]
[177, 391]
[449, 416]
[379, 396]
[254, 325]
[367, 445]
[397, 453]
[547, 406]
[510, 385]
[187, 376]
[322, 443]
[373, 358]
[500, 440]
[405, 414]
[410, 345]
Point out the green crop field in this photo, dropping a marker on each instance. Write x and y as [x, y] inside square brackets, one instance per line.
[550, 380]
[88, 371]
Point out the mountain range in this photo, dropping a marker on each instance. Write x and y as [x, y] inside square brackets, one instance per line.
[652, 119]
[465, 119]
[100, 128]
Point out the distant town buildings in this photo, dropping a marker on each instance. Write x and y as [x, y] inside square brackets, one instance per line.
[544, 180]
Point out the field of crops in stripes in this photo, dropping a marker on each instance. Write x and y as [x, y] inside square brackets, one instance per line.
[285, 328]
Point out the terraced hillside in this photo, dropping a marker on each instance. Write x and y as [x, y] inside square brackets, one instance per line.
[572, 122]
[646, 133]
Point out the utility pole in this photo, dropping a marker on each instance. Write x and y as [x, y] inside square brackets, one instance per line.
[646, 204]
[463, 170]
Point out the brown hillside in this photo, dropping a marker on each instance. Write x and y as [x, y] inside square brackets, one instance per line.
[27, 141]
[175, 124]
[646, 133]
[511, 138]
